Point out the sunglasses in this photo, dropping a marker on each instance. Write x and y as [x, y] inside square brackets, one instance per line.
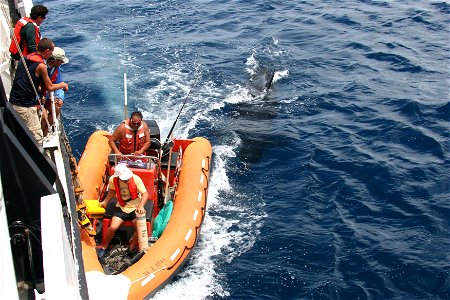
[136, 123]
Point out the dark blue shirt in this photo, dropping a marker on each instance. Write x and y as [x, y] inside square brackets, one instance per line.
[22, 92]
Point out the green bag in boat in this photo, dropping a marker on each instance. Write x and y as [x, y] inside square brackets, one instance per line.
[162, 219]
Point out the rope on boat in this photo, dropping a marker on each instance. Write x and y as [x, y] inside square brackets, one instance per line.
[147, 276]
[83, 220]
[203, 210]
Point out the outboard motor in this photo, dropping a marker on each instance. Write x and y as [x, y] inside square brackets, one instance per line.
[154, 149]
[155, 135]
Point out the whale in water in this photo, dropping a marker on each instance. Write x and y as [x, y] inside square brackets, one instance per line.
[252, 120]
[261, 81]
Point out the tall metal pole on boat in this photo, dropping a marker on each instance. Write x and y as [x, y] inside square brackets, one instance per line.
[125, 81]
[55, 123]
[125, 92]
[167, 193]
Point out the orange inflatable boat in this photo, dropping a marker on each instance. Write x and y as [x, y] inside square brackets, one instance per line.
[177, 183]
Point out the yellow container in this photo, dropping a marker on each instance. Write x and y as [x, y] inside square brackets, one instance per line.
[93, 209]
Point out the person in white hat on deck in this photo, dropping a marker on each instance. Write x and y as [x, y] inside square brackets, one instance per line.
[54, 63]
[131, 197]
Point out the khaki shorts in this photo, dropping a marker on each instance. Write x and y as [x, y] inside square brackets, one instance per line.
[30, 116]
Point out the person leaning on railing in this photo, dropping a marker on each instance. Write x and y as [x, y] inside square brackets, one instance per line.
[57, 59]
[24, 93]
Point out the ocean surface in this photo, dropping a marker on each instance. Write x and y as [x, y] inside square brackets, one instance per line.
[335, 183]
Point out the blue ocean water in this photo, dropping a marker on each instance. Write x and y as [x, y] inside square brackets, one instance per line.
[334, 185]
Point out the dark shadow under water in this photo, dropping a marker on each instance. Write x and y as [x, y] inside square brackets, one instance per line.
[253, 121]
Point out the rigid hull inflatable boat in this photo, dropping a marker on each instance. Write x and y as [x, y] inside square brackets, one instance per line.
[177, 183]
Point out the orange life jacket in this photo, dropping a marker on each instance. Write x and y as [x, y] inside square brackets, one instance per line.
[131, 187]
[132, 140]
[22, 43]
[35, 57]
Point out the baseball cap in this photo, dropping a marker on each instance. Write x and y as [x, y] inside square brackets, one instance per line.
[60, 54]
[123, 172]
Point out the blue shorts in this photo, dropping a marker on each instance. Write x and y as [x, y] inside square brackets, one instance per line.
[118, 212]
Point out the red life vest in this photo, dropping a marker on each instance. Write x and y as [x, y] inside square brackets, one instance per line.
[132, 140]
[131, 187]
[53, 77]
[35, 57]
[22, 43]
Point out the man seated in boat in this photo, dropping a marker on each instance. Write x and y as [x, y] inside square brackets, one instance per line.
[131, 197]
[133, 136]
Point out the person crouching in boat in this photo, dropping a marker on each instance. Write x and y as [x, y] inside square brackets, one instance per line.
[133, 136]
[131, 197]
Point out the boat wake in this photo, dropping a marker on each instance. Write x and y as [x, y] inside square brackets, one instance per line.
[234, 218]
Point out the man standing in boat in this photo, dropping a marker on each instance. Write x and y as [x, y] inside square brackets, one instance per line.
[131, 197]
[133, 136]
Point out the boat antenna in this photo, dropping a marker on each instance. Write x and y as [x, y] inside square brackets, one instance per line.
[179, 113]
[125, 81]
[125, 92]
[166, 191]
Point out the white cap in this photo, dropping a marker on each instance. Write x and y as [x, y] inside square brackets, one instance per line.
[123, 172]
[59, 54]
